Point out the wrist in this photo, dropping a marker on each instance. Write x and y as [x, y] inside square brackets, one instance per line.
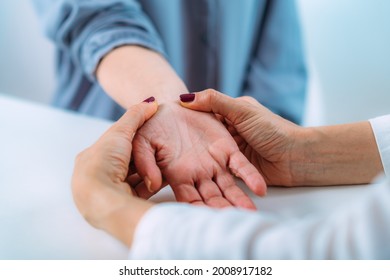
[130, 74]
[122, 221]
[336, 155]
[300, 155]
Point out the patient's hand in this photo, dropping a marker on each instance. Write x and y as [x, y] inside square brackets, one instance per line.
[196, 156]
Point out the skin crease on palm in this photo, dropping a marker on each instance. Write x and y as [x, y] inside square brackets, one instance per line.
[199, 160]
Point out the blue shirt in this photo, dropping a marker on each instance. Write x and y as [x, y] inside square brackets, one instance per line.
[239, 47]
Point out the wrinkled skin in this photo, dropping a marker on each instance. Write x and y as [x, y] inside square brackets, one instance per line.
[266, 139]
[195, 154]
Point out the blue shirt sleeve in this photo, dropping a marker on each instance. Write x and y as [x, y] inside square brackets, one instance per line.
[277, 73]
[90, 29]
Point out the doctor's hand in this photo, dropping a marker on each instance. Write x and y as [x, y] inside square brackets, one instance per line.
[267, 140]
[196, 156]
[104, 189]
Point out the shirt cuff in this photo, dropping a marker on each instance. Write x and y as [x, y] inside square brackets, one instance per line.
[103, 42]
[148, 242]
[381, 128]
[183, 231]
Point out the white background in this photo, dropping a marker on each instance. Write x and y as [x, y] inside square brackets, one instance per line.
[347, 43]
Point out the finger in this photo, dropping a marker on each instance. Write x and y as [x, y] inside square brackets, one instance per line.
[187, 193]
[232, 130]
[135, 117]
[145, 162]
[134, 179]
[232, 192]
[242, 168]
[132, 169]
[213, 101]
[138, 187]
[143, 192]
[212, 195]
[133, 192]
[220, 118]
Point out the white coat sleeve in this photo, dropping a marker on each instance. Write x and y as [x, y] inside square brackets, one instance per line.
[360, 230]
[381, 128]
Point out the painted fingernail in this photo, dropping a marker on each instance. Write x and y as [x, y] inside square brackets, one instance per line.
[149, 100]
[187, 97]
[235, 172]
[148, 184]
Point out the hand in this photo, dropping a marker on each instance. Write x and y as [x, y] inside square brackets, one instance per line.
[193, 149]
[196, 156]
[100, 180]
[266, 139]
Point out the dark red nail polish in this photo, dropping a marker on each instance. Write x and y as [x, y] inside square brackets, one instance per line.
[149, 100]
[187, 97]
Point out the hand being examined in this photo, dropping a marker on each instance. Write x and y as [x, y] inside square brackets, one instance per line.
[102, 180]
[195, 154]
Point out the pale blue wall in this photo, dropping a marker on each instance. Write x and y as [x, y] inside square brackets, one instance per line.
[26, 57]
[348, 44]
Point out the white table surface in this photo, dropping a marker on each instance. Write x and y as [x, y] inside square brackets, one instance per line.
[38, 219]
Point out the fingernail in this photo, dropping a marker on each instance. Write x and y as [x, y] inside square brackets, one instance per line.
[149, 100]
[148, 184]
[187, 97]
[235, 172]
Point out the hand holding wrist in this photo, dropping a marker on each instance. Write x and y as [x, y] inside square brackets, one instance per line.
[265, 138]
[100, 182]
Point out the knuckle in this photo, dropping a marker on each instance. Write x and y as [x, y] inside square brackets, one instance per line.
[212, 96]
[251, 99]
[80, 156]
[211, 92]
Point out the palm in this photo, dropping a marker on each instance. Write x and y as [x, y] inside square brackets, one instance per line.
[195, 154]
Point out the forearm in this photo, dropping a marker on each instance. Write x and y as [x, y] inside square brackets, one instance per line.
[130, 74]
[335, 155]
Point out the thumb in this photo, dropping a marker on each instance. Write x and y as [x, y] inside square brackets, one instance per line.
[128, 125]
[209, 100]
[135, 117]
[119, 137]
